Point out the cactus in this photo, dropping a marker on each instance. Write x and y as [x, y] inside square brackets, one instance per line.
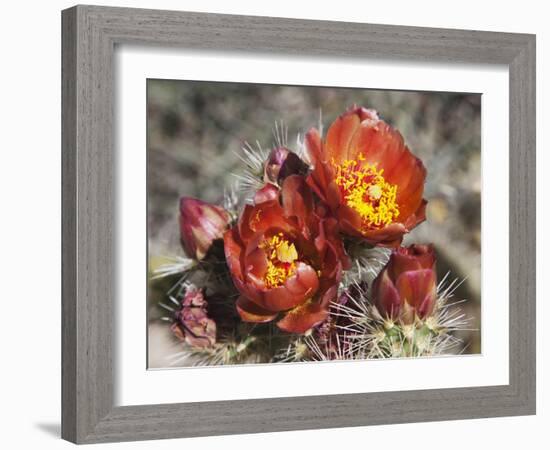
[374, 312]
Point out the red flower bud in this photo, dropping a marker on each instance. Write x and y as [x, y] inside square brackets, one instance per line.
[201, 224]
[282, 163]
[406, 287]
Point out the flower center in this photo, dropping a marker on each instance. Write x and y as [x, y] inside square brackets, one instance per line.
[366, 191]
[281, 257]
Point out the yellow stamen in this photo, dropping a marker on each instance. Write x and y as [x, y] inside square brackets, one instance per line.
[367, 192]
[281, 257]
[287, 252]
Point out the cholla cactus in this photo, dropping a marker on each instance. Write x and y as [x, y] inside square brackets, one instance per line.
[360, 331]
[303, 262]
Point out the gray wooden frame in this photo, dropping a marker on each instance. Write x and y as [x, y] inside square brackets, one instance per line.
[90, 34]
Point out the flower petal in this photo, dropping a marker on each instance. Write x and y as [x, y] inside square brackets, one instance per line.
[350, 221]
[251, 312]
[408, 175]
[387, 298]
[268, 193]
[313, 145]
[389, 236]
[297, 200]
[381, 145]
[318, 179]
[340, 135]
[418, 217]
[296, 289]
[402, 262]
[256, 265]
[411, 189]
[418, 289]
[303, 318]
[328, 296]
[233, 251]
[304, 282]
[333, 195]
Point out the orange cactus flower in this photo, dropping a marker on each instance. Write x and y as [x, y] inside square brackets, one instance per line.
[406, 288]
[368, 177]
[285, 258]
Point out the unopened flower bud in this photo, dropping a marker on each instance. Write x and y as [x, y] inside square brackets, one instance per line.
[406, 287]
[282, 163]
[201, 224]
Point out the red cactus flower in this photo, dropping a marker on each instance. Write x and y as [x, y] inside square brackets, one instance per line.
[406, 287]
[285, 258]
[282, 163]
[201, 224]
[368, 177]
[192, 323]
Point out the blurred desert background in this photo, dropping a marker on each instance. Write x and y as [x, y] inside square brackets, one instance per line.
[195, 129]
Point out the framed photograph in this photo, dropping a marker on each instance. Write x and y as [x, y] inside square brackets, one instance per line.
[265, 229]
